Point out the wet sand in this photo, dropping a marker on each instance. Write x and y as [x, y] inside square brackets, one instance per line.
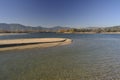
[5, 34]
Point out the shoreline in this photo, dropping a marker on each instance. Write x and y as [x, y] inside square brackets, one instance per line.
[18, 44]
[5, 34]
[91, 33]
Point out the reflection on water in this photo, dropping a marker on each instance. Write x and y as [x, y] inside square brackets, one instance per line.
[89, 57]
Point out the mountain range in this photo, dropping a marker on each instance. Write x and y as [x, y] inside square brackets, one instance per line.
[4, 27]
[20, 27]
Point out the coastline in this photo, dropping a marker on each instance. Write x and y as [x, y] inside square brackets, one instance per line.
[110, 33]
[5, 34]
[18, 44]
[91, 33]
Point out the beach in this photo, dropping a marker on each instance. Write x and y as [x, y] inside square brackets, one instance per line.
[7, 34]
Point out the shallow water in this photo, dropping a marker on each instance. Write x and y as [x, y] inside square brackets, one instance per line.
[89, 57]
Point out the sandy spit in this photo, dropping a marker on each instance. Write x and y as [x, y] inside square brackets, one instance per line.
[6, 34]
[40, 43]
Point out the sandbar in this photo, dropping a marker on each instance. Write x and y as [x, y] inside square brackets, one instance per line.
[17, 44]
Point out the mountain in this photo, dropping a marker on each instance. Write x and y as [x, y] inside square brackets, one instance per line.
[56, 28]
[116, 27]
[12, 27]
[20, 27]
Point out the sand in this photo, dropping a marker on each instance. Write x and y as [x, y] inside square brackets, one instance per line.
[6, 34]
[17, 44]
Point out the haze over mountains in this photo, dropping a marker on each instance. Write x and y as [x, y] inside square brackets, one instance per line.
[13, 27]
[4, 27]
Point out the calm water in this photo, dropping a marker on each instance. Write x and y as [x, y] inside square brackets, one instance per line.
[89, 57]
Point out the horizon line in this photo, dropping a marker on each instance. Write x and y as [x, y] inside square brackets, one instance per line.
[60, 26]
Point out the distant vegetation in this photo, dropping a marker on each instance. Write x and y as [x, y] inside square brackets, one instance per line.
[18, 28]
[91, 30]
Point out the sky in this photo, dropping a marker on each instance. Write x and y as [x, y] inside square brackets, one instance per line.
[69, 13]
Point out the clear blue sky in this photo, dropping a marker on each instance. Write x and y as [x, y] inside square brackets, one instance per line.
[73, 13]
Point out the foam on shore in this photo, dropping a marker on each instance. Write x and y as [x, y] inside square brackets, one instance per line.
[17, 44]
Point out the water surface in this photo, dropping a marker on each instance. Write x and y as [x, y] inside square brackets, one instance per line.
[89, 57]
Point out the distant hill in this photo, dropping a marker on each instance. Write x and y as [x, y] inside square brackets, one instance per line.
[115, 27]
[104, 27]
[20, 27]
[56, 28]
[12, 27]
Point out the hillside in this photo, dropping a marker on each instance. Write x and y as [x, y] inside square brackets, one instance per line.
[22, 28]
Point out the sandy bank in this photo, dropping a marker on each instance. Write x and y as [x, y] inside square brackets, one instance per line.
[5, 34]
[110, 33]
[32, 43]
[79, 33]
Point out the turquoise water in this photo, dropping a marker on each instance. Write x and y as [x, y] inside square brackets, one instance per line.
[89, 57]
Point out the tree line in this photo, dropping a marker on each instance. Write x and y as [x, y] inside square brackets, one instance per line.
[69, 30]
[95, 30]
